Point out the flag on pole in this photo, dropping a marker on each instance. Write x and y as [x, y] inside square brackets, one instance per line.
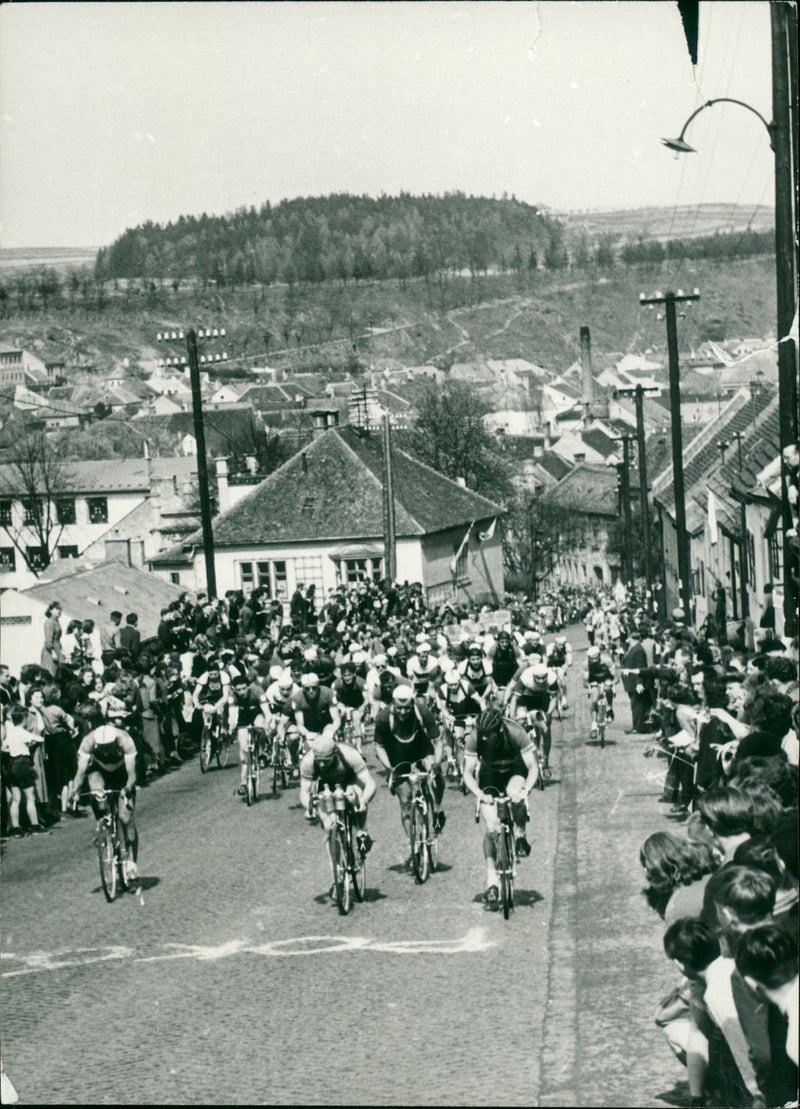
[460, 551]
[713, 533]
[485, 536]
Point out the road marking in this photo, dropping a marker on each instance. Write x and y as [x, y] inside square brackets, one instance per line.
[620, 795]
[37, 961]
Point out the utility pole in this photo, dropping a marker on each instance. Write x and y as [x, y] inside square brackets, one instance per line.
[390, 538]
[200, 438]
[744, 550]
[638, 394]
[624, 470]
[669, 300]
[783, 18]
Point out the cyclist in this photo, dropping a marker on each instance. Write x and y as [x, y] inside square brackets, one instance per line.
[108, 755]
[332, 764]
[505, 660]
[477, 669]
[535, 689]
[558, 657]
[457, 699]
[508, 764]
[249, 708]
[350, 693]
[600, 678]
[313, 708]
[424, 672]
[381, 681]
[406, 732]
[212, 688]
[279, 698]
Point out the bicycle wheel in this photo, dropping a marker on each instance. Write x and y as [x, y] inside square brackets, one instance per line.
[341, 874]
[107, 855]
[223, 749]
[433, 840]
[251, 781]
[419, 852]
[358, 864]
[277, 756]
[505, 862]
[205, 749]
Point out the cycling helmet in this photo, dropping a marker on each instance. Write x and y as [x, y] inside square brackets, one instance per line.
[489, 722]
[424, 648]
[106, 733]
[452, 677]
[539, 670]
[403, 695]
[593, 652]
[310, 654]
[309, 681]
[475, 649]
[285, 680]
[275, 673]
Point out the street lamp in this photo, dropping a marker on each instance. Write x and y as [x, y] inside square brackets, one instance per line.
[680, 146]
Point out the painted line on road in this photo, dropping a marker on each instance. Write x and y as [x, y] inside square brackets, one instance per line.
[37, 962]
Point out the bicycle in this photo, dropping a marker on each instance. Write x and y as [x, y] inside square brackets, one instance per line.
[349, 734]
[214, 741]
[458, 727]
[537, 724]
[505, 851]
[422, 831]
[602, 707]
[255, 761]
[109, 847]
[276, 759]
[348, 861]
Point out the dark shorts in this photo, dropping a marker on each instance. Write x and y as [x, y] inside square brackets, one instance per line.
[21, 773]
[496, 777]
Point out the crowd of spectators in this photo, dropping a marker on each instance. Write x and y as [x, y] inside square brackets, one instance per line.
[724, 878]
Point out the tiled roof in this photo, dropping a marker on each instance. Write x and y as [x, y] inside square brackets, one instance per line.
[760, 445]
[117, 475]
[333, 490]
[555, 464]
[589, 489]
[223, 424]
[597, 439]
[702, 456]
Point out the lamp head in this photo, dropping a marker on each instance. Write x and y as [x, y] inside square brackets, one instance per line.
[680, 146]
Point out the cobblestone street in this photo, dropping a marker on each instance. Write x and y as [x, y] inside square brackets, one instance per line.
[233, 979]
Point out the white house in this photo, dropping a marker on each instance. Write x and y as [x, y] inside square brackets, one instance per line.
[318, 520]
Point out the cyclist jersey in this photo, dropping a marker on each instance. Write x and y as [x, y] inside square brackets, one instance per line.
[557, 654]
[479, 678]
[249, 707]
[599, 671]
[277, 699]
[211, 687]
[459, 700]
[343, 769]
[504, 664]
[422, 676]
[316, 712]
[406, 739]
[350, 694]
[502, 752]
[107, 757]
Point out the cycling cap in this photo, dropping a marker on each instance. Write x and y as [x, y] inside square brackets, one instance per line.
[403, 695]
[475, 649]
[490, 721]
[452, 677]
[359, 657]
[561, 640]
[106, 733]
[275, 673]
[323, 747]
[309, 681]
[424, 647]
[285, 681]
[310, 654]
[540, 670]
[354, 646]
[593, 652]
[379, 660]
[421, 637]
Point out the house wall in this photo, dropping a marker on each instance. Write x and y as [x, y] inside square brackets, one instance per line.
[82, 534]
[588, 562]
[22, 629]
[483, 579]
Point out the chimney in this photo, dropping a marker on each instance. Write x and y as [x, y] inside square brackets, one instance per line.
[252, 464]
[587, 379]
[119, 550]
[223, 491]
[318, 424]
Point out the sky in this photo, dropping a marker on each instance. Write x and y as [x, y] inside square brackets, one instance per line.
[112, 114]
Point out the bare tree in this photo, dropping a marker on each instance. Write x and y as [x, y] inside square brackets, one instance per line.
[34, 475]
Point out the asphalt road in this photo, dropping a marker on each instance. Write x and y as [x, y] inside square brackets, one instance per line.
[232, 978]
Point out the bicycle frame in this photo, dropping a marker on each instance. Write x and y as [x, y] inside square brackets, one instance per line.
[504, 848]
[349, 865]
[110, 836]
[422, 834]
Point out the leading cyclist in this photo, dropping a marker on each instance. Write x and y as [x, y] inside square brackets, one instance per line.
[108, 754]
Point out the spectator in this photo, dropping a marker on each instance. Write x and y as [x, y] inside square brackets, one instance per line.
[130, 638]
[766, 957]
[109, 635]
[51, 651]
[18, 744]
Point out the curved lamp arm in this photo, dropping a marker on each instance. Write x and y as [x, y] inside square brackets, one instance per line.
[682, 147]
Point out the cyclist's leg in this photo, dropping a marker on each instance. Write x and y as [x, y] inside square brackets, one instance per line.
[96, 783]
[519, 810]
[594, 694]
[328, 822]
[403, 791]
[125, 810]
[243, 740]
[358, 726]
[491, 826]
[356, 796]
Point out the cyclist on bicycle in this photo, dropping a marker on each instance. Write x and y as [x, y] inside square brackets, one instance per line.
[279, 697]
[249, 708]
[477, 670]
[108, 755]
[558, 657]
[535, 689]
[332, 764]
[213, 688]
[456, 699]
[508, 765]
[424, 672]
[406, 732]
[600, 678]
[505, 660]
[351, 696]
[313, 708]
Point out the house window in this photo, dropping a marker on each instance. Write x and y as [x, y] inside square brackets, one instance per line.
[68, 551]
[246, 576]
[270, 576]
[5, 513]
[174, 577]
[308, 570]
[98, 509]
[751, 555]
[8, 560]
[35, 558]
[65, 510]
[32, 510]
[359, 569]
[775, 557]
[461, 572]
